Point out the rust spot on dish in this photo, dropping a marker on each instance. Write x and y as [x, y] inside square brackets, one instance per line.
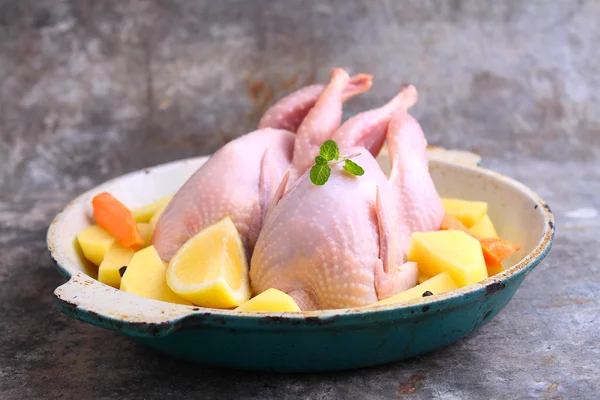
[322, 321]
[308, 320]
[271, 319]
[66, 306]
[494, 287]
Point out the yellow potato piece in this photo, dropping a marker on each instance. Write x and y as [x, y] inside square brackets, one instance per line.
[156, 216]
[211, 269]
[467, 212]
[423, 278]
[454, 252]
[484, 228]
[116, 258]
[271, 300]
[495, 269]
[440, 283]
[145, 277]
[146, 232]
[95, 242]
[143, 214]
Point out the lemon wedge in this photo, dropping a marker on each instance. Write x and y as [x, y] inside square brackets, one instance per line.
[211, 269]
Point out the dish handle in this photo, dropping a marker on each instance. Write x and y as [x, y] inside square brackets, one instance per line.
[91, 301]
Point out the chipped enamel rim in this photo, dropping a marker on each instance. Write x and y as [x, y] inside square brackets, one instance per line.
[87, 299]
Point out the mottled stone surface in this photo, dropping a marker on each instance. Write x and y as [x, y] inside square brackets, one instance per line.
[92, 89]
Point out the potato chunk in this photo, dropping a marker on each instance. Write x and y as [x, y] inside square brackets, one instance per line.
[440, 283]
[95, 242]
[115, 259]
[495, 269]
[467, 212]
[454, 252]
[423, 278]
[484, 228]
[146, 276]
[156, 216]
[271, 300]
[146, 232]
[144, 213]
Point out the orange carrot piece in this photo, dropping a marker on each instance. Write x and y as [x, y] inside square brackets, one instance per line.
[114, 217]
[494, 250]
[450, 223]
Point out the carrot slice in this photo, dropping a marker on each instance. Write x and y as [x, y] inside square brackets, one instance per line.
[114, 217]
[450, 223]
[494, 250]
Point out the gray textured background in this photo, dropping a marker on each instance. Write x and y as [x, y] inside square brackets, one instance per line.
[92, 89]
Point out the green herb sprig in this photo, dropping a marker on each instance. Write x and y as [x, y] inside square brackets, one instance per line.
[329, 154]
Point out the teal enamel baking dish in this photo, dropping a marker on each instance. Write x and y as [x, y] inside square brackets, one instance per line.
[308, 341]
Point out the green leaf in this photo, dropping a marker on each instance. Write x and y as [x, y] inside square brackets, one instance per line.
[330, 150]
[320, 160]
[353, 168]
[319, 174]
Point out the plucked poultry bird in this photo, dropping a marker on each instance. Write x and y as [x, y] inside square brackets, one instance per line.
[343, 244]
[240, 179]
[289, 112]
